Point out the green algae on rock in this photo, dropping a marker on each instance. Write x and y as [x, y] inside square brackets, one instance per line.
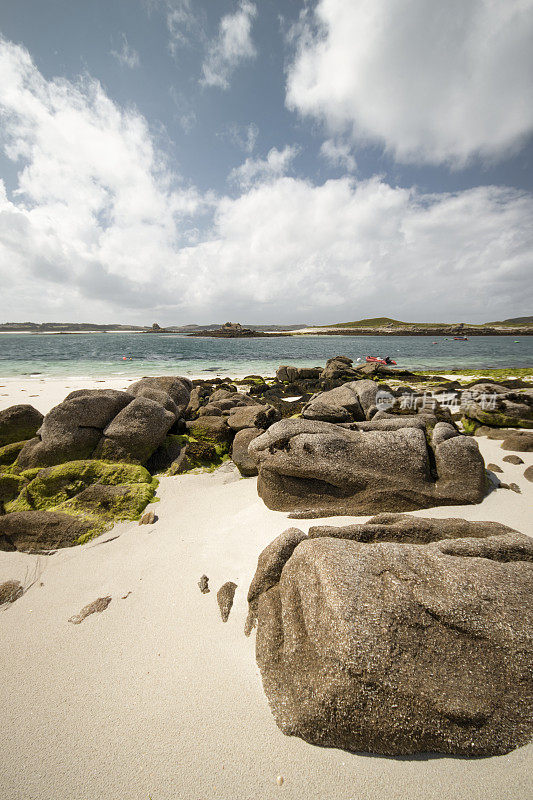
[198, 454]
[10, 486]
[97, 490]
[9, 453]
[210, 429]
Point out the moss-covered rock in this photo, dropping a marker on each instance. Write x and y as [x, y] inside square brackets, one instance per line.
[498, 419]
[111, 503]
[29, 474]
[470, 425]
[210, 429]
[9, 453]
[197, 454]
[38, 531]
[96, 490]
[53, 486]
[10, 486]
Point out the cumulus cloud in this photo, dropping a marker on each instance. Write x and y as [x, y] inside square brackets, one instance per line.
[101, 228]
[337, 250]
[232, 45]
[338, 154]
[257, 170]
[97, 207]
[126, 56]
[433, 82]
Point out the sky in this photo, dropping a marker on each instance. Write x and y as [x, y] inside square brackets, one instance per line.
[283, 161]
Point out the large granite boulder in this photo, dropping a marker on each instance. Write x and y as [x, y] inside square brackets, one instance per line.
[347, 403]
[253, 416]
[246, 463]
[177, 388]
[73, 429]
[315, 468]
[408, 636]
[136, 432]
[18, 423]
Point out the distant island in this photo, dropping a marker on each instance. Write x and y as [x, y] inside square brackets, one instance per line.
[374, 326]
[234, 330]
[385, 326]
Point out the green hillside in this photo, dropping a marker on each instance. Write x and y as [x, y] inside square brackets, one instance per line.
[380, 322]
[375, 322]
[513, 321]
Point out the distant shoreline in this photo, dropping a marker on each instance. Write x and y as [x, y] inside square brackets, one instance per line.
[303, 332]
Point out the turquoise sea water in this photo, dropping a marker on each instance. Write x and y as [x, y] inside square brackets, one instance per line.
[115, 354]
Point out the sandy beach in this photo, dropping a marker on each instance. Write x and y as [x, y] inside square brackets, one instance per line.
[45, 393]
[156, 697]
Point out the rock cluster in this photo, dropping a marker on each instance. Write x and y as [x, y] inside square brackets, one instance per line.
[326, 440]
[108, 424]
[400, 635]
[315, 468]
[508, 408]
[90, 460]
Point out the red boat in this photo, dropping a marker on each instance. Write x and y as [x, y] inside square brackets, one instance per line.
[460, 338]
[376, 360]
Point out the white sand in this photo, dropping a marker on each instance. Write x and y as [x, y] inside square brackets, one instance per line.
[45, 393]
[156, 697]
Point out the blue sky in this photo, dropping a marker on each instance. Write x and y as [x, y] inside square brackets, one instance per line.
[275, 162]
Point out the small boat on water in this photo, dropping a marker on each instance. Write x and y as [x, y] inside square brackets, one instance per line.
[460, 338]
[377, 360]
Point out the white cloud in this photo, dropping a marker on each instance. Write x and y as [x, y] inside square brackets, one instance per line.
[257, 170]
[232, 46]
[97, 208]
[183, 25]
[291, 250]
[101, 229]
[126, 56]
[434, 82]
[338, 154]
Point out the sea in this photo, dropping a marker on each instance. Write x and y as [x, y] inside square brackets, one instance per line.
[107, 355]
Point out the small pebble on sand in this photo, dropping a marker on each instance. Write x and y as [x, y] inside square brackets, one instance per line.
[279, 780]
